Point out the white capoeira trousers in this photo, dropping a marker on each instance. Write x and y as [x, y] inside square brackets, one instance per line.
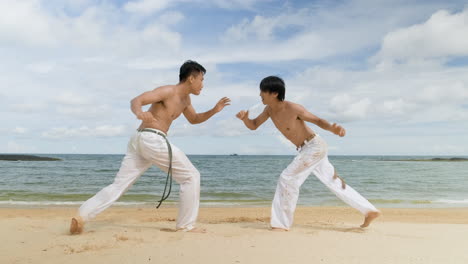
[146, 149]
[312, 158]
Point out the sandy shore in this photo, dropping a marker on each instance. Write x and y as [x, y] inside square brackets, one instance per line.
[235, 235]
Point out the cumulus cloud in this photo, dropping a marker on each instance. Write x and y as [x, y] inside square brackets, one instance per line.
[27, 107]
[19, 130]
[94, 30]
[41, 67]
[15, 23]
[15, 147]
[171, 18]
[220, 128]
[263, 28]
[444, 34]
[348, 108]
[85, 131]
[236, 4]
[72, 104]
[147, 6]
[71, 98]
[84, 60]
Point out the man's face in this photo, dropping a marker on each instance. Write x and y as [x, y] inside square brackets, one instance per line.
[197, 83]
[267, 97]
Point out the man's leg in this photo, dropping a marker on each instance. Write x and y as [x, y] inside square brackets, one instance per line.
[325, 173]
[132, 167]
[287, 193]
[185, 174]
[188, 177]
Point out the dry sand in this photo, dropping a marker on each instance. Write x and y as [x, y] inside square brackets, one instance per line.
[235, 235]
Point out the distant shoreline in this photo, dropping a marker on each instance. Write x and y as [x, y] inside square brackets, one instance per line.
[18, 157]
[433, 159]
[420, 157]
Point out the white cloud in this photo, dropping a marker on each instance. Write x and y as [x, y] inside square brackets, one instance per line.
[86, 112]
[313, 32]
[71, 98]
[85, 131]
[237, 4]
[442, 35]
[348, 108]
[74, 105]
[82, 61]
[263, 28]
[171, 18]
[443, 149]
[445, 92]
[220, 128]
[19, 130]
[96, 30]
[27, 107]
[147, 6]
[26, 22]
[15, 147]
[154, 34]
[395, 106]
[41, 67]
[231, 127]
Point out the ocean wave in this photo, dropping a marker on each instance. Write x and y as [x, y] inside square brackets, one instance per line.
[447, 201]
[135, 203]
[398, 201]
[58, 203]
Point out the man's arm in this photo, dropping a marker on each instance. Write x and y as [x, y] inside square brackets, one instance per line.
[197, 118]
[253, 124]
[156, 95]
[305, 115]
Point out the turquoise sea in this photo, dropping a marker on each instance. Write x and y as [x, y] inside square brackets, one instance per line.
[237, 181]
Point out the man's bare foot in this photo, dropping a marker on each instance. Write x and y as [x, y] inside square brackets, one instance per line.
[277, 229]
[76, 226]
[193, 230]
[197, 230]
[369, 218]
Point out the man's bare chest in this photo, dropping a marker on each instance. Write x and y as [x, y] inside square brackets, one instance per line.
[284, 121]
[171, 108]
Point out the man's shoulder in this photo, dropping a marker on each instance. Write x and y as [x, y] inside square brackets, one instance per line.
[296, 108]
[293, 106]
[166, 89]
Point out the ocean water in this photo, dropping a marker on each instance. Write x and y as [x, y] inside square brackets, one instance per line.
[237, 181]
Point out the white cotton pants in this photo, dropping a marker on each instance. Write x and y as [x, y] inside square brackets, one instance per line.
[146, 149]
[312, 158]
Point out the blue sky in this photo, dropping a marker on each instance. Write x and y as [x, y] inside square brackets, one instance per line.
[393, 73]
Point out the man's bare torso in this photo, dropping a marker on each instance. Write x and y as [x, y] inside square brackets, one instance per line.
[167, 110]
[289, 124]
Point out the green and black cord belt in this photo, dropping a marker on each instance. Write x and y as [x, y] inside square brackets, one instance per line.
[169, 171]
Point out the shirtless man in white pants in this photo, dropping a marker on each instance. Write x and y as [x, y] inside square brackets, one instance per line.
[290, 120]
[149, 146]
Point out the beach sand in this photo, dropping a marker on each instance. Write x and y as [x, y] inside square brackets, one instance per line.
[235, 235]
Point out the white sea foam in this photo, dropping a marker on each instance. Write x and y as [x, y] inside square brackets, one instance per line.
[447, 201]
[58, 203]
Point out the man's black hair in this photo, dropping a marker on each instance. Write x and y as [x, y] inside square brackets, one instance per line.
[273, 84]
[188, 68]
